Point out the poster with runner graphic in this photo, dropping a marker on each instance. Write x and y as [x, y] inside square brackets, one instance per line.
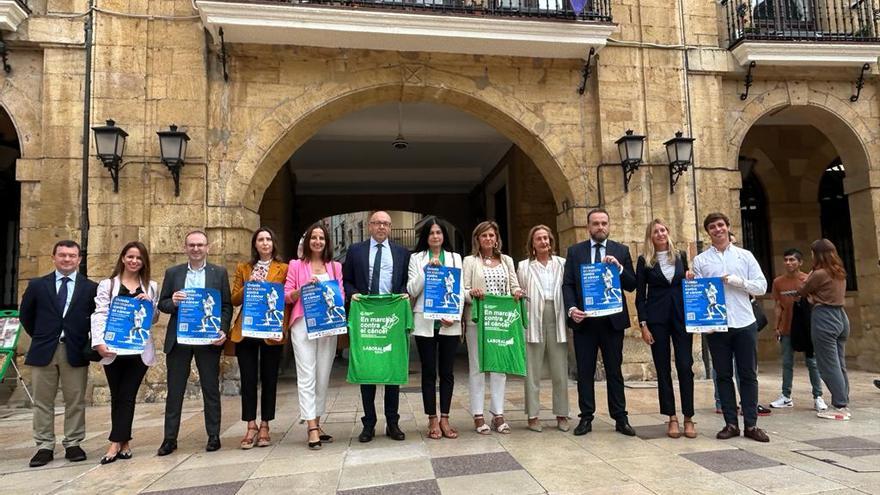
[198, 317]
[262, 312]
[705, 310]
[600, 286]
[442, 293]
[128, 325]
[324, 309]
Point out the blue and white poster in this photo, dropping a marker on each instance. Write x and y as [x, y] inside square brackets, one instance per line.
[198, 317]
[128, 325]
[262, 313]
[324, 309]
[705, 310]
[600, 285]
[442, 293]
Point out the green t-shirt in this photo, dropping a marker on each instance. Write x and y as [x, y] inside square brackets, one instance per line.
[501, 323]
[378, 327]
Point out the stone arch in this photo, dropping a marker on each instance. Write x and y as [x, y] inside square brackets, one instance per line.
[21, 111]
[295, 121]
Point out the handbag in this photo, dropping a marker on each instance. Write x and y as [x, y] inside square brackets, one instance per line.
[801, 332]
[760, 317]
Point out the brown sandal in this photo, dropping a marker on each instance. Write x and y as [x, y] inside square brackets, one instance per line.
[449, 431]
[247, 442]
[673, 431]
[263, 440]
[434, 432]
[689, 430]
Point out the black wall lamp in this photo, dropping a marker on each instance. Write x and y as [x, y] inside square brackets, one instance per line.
[172, 146]
[110, 143]
[680, 151]
[630, 147]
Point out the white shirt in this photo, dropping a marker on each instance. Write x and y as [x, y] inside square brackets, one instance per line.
[744, 278]
[547, 278]
[387, 265]
[195, 277]
[666, 267]
[70, 285]
[593, 249]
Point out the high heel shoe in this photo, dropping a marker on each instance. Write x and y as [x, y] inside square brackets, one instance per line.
[315, 445]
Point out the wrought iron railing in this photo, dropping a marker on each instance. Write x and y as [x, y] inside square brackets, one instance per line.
[592, 10]
[405, 237]
[24, 5]
[801, 20]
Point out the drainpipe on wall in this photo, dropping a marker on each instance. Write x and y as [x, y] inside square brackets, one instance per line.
[87, 117]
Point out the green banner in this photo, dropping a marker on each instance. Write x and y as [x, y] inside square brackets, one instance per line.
[378, 327]
[501, 323]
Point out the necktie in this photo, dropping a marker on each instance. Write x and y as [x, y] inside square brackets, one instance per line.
[597, 258]
[62, 294]
[377, 268]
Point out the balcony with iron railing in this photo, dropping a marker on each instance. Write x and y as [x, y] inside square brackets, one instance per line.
[530, 28]
[828, 32]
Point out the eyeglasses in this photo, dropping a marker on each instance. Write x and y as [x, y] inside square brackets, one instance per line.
[380, 224]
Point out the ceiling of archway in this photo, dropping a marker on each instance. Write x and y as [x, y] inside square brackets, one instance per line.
[448, 151]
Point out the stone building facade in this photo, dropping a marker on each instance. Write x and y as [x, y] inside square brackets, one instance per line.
[656, 67]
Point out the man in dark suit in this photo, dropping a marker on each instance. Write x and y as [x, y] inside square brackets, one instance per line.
[604, 332]
[377, 266]
[56, 312]
[197, 273]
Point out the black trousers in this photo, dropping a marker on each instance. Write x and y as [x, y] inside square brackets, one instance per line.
[683, 343]
[124, 377]
[598, 334]
[178, 363]
[437, 353]
[392, 403]
[739, 344]
[258, 363]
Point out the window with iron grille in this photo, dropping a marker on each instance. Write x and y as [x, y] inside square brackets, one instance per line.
[835, 218]
[755, 223]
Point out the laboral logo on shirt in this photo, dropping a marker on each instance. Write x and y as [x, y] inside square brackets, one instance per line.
[498, 321]
[500, 342]
[376, 327]
[377, 349]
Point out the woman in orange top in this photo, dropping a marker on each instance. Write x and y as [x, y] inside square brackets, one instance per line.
[258, 359]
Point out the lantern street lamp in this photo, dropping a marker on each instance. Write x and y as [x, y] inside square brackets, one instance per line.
[110, 143]
[630, 148]
[172, 146]
[680, 151]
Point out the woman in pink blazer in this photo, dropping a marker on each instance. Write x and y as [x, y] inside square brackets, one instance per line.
[314, 357]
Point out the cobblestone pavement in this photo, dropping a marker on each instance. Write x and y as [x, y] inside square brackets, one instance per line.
[805, 455]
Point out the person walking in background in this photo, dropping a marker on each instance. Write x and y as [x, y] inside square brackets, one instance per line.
[660, 304]
[546, 336]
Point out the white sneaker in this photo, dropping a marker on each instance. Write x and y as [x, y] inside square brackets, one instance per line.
[781, 402]
[820, 404]
[836, 413]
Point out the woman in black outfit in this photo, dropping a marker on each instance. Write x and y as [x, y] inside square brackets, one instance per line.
[660, 304]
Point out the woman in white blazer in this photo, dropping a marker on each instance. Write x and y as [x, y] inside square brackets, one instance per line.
[486, 271]
[130, 278]
[541, 275]
[436, 340]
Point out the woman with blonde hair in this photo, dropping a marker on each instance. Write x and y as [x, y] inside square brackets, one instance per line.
[825, 288]
[659, 301]
[486, 271]
[546, 335]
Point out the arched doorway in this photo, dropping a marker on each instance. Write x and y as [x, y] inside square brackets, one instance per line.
[799, 164]
[10, 209]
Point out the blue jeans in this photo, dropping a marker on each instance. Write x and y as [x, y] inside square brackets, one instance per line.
[788, 368]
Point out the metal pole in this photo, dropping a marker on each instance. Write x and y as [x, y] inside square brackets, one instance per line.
[87, 118]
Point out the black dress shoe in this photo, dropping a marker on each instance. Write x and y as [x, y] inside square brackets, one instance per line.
[124, 455]
[169, 445]
[584, 426]
[624, 427]
[366, 435]
[74, 454]
[41, 458]
[107, 459]
[213, 443]
[395, 433]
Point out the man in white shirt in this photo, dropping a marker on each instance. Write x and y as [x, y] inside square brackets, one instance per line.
[742, 278]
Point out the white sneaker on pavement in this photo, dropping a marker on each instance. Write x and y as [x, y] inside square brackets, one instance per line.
[781, 402]
[820, 404]
[836, 413]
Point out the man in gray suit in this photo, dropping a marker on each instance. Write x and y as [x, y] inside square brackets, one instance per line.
[197, 273]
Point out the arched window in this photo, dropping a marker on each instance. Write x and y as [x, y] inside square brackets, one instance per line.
[834, 215]
[755, 223]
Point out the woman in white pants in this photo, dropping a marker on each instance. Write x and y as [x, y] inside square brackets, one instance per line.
[486, 271]
[314, 357]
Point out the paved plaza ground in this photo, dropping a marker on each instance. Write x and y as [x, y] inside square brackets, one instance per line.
[805, 454]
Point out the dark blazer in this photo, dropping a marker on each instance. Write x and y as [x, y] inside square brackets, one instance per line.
[175, 279]
[356, 269]
[41, 318]
[572, 295]
[657, 299]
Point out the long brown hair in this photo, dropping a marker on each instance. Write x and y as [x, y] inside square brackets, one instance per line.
[825, 257]
[255, 255]
[478, 231]
[145, 256]
[326, 253]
